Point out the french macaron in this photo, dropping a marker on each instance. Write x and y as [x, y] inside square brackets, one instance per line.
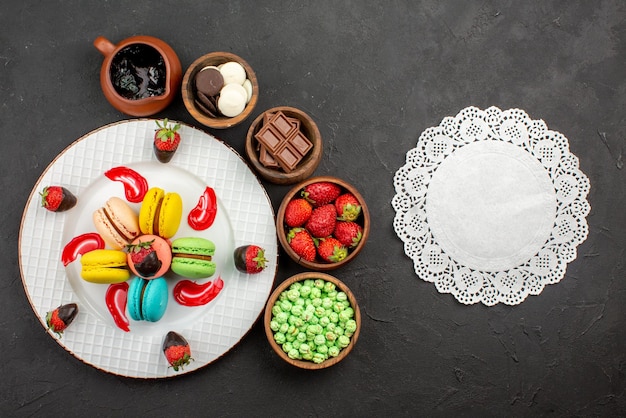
[147, 299]
[149, 256]
[192, 257]
[116, 222]
[104, 266]
[160, 213]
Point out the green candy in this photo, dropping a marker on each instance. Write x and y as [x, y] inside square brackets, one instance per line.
[297, 310]
[293, 295]
[350, 325]
[329, 287]
[343, 341]
[333, 351]
[305, 291]
[282, 317]
[318, 358]
[286, 305]
[319, 340]
[276, 309]
[280, 339]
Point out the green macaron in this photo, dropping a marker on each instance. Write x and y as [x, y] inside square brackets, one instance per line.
[192, 257]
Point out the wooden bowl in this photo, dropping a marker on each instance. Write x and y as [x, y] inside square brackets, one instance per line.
[306, 364]
[307, 165]
[189, 94]
[282, 230]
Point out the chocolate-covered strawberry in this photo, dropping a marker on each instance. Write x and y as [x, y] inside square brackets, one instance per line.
[60, 318]
[57, 198]
[176, 350]
[321, 193]
[166, 140]
[250, 259]
[144, 258]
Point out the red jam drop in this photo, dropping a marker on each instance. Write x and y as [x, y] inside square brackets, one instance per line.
[80, 245]
[116, 298]
[202, 216]
[189, 293]
[135, 185]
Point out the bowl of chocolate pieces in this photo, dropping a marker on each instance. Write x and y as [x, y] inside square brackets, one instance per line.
[220, 90]
[284, 145]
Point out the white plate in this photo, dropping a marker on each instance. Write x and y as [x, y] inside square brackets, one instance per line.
[245, 216]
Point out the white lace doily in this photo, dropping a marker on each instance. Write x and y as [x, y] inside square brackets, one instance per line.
[491, 206]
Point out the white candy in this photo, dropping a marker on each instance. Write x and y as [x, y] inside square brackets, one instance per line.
[247, 85]
[237, 88]
[233, 72]
[209, 66]
[231, 103]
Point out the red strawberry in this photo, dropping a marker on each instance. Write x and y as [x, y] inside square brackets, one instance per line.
[297, 212]
[348, 233]
[57, 198]
[322, 221]
[321, 193]
[176, 350]
[250, 259]
[348, 207]
[331, 250]
[144, 258]
[166, 141]
[61, 317]
[302, 243]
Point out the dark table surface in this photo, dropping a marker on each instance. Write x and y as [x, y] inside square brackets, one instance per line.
[373, 75]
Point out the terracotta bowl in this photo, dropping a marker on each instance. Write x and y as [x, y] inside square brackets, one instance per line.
[307, 364]
[282, 230]
[149, 105]
[305, 167]
[189, 94]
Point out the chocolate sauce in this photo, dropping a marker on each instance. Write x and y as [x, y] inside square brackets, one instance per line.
[138, 71]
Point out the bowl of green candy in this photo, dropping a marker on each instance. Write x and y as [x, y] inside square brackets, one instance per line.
[312, 320]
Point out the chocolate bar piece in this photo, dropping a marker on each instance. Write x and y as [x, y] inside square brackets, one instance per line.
[281, 139]
[270, 138]
[267, 116]
[287, 157]
[301, 143]
[266, 158]
[282, 124]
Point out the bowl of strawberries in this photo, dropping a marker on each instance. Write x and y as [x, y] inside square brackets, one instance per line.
[323, 223]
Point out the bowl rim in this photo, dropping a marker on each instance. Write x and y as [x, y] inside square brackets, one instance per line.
[282, 237]
[303, 170]
[213, 58]
[305, 364]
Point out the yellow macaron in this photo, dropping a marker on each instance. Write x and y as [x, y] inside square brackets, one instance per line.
[160, 213]
[104, 266]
